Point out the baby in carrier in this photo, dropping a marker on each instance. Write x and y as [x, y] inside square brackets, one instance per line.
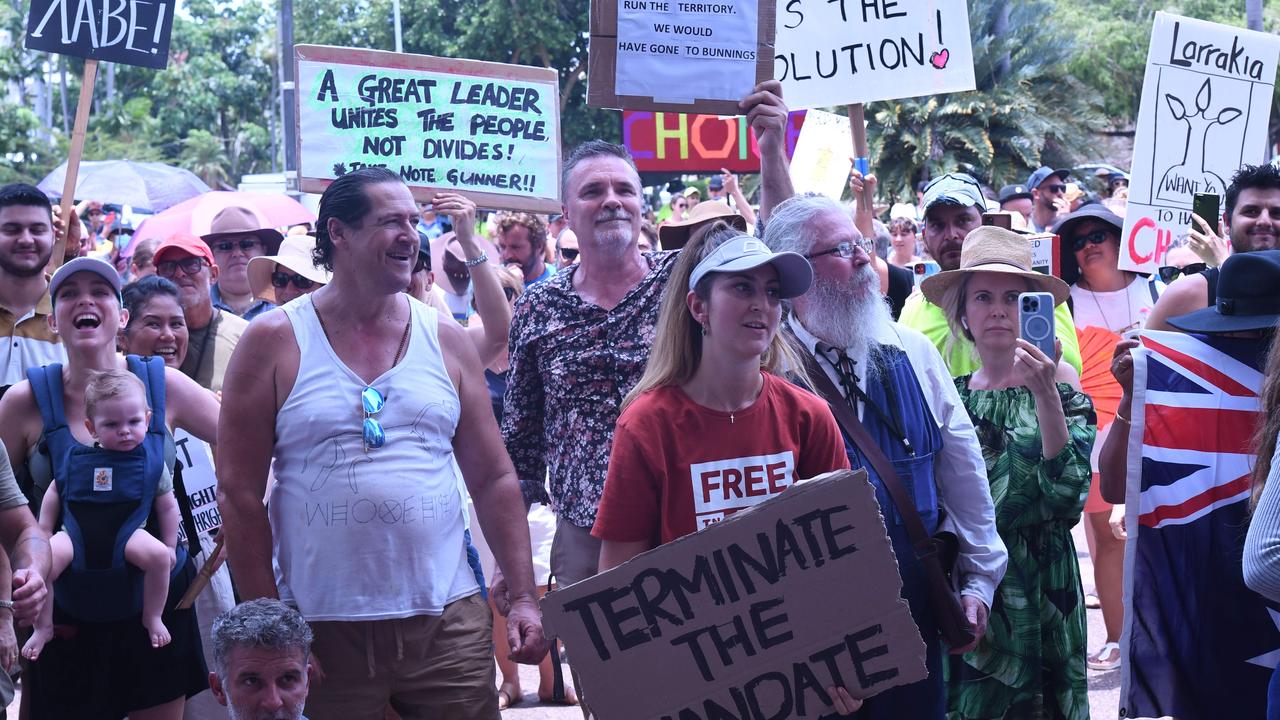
[117, 417]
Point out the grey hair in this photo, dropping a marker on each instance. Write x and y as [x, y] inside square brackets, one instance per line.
[261, 623]
[788, 228]
[883, 239]
[588, 150]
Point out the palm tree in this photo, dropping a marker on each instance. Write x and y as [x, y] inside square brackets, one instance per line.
[204, 155]
[1026, 110]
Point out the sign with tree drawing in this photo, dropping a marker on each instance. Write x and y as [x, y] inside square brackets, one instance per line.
[1206, 101]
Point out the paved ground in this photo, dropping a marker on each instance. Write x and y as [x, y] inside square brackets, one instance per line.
[1104, 688]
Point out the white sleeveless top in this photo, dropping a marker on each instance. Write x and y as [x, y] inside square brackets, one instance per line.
[377, 535]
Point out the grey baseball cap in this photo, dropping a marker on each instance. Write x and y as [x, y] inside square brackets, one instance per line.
[954, 189]
[101, 268]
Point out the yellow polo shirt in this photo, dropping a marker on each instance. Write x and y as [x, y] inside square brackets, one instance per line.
[27, 342]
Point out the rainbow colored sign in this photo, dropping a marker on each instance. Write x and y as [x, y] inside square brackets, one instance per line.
[675, 142]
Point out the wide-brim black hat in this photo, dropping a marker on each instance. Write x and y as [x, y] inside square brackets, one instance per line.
[1065, 229]
[1248, 297]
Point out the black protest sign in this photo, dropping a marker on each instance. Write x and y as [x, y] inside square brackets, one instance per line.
[752, 617]
[133, 32]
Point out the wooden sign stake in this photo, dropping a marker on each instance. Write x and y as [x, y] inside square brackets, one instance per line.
[73, 160]
[861, 152]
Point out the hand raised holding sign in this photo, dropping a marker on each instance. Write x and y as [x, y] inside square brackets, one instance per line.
[766, 113]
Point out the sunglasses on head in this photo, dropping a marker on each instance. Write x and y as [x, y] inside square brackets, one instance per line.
[1097, 237]
[281, 279]
[1169, 273]
[569, 253]
[189, 266]
[245, 245]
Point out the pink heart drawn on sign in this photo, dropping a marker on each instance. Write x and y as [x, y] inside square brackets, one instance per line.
[940, 58]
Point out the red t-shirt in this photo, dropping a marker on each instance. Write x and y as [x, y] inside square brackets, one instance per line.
[677, 466]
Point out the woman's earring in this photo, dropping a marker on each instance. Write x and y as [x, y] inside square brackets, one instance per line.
[964, 323]
[705, 332]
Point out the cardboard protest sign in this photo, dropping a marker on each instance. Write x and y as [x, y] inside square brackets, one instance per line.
[200, 482]
[836, 52]
[1206, 102]
[695, 56]
[821, 162]
[487, 130]
[133, 32]
[753, 616]
[675, 142]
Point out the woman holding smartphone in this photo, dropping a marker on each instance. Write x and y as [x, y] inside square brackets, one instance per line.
[713, 392]
[1036, 430]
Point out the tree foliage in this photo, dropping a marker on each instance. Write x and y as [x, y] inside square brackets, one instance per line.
[1027, 109]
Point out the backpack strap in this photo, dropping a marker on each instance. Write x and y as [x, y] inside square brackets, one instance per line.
[151, 371]
[46, 383]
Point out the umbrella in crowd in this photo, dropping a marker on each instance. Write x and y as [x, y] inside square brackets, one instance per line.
[149, 186]
[273, 210]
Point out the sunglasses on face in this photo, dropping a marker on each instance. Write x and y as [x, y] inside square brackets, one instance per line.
[1097, 237]
[1169, 273]
[189, 266]
[245, 245]
[372, 402]
[1059, 188]
[570, 254]
[281, 279]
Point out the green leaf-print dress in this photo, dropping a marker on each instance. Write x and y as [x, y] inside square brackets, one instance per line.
[1031, 662]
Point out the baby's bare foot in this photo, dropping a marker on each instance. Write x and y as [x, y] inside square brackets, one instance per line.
[39, 636]
[158, 632]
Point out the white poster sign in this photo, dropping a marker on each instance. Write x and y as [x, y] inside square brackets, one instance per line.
[837, 52]
[675, 51]
[1206, 102]
[199, 480]
[823, 155]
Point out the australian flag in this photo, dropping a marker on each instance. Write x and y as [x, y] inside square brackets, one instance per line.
[1198, 644]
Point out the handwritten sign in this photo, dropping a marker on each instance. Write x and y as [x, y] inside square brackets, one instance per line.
[821, 162]
[752, 616]
[1045, 256]
[200, 482]
[133, 32]
[667, 142]
[837, 52]
[699, 56]
[1206, 103]
[487, 130]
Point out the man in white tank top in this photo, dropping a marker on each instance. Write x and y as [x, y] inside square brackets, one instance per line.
[370, 407]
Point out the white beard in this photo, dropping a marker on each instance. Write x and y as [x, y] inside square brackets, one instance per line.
[849, 315]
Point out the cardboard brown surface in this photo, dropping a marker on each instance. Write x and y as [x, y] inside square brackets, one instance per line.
[602, 64]
[545, 197]
[755, 615]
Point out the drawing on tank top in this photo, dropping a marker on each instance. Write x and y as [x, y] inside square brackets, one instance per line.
[331, 457]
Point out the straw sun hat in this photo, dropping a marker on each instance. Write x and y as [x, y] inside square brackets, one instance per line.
[993, 249]
[295, 256]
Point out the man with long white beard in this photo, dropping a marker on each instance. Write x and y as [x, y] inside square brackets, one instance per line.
[897, 383]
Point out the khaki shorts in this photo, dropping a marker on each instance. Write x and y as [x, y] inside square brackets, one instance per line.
[575, 554]
[426, 666]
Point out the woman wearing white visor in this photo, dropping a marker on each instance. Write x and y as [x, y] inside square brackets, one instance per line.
[713, 391]
[288, 274]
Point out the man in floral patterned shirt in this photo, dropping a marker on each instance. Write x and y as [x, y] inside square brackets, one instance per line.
[580, 340]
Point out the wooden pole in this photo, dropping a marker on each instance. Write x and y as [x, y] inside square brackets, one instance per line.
[861, 152]
[205, 576]
[73, 161]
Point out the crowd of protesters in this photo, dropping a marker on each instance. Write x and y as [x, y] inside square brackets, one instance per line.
[421, 422]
